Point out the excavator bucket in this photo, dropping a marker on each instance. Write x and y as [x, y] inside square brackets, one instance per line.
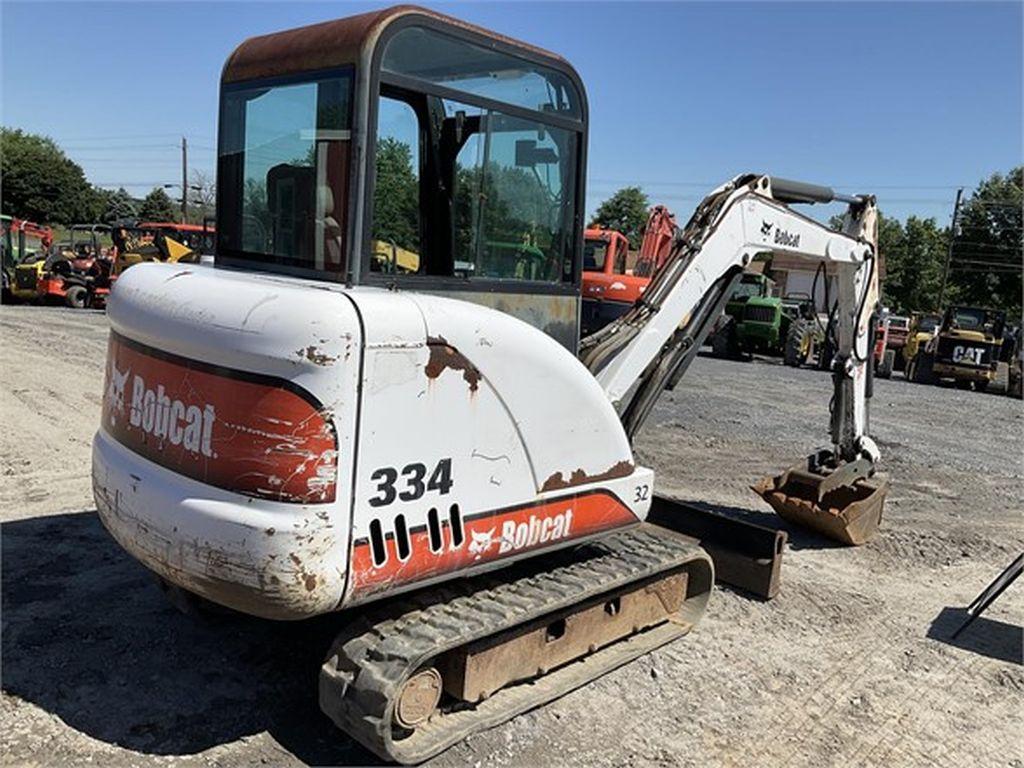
[843, 504]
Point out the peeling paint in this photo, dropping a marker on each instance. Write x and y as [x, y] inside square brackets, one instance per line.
[443, 356]
[315, 356]
[579, 477]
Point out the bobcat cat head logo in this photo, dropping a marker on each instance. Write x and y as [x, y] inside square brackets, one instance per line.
[766, 227]
[115, 391]
[481, 542]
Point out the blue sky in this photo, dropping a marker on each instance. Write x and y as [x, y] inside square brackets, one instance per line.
[906, 100]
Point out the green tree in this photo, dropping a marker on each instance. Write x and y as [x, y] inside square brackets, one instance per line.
[913, 254]
[41, 183]
[914, 270]
[116, 205]
[985, 268]
[625, 211]
[157, 206]
[396, 196]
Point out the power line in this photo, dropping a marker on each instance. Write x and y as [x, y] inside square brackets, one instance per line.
[713, 184]
[128, 136]
[989, 262]
[131, 183]
[987, 270]
[997, 246]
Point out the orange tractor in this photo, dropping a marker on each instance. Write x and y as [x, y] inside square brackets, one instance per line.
[610, 286]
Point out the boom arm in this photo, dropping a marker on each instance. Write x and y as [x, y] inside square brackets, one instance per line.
[648, 349]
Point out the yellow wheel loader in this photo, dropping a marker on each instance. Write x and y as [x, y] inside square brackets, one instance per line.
[965, 348]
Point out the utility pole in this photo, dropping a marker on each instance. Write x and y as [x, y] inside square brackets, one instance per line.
[949, 251]
[184, 179]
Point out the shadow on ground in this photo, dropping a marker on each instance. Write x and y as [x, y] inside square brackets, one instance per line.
[89, 637]
[987, 637]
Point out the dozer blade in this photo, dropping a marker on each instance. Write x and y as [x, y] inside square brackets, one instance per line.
[843, 504]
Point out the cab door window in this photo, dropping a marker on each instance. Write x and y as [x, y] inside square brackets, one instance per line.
[395, 231]
[510, 192]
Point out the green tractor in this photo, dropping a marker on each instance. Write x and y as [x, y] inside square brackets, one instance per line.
[756, 321]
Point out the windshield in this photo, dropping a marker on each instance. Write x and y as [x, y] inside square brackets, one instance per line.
[437, 58]
[283, 173]
[974, 319]
[476, 164]
[747, 289]
[929, 323]
[594, 254]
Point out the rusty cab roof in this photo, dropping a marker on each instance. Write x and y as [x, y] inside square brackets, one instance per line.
[343, 42]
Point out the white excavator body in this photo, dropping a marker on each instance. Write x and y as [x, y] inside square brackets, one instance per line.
[379, 388]
[287, 451]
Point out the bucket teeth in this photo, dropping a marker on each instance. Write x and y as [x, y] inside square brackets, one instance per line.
[850, 514]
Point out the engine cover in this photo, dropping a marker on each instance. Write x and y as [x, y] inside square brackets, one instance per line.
[286, 447]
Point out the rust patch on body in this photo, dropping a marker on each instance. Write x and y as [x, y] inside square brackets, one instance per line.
[443, 356]
[315, 356]
[557, 481]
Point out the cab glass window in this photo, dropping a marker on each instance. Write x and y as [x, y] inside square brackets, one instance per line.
[283, 172]
[509, 198]
[476, 164]
[594, 254]
[395, 232]
[434, 57]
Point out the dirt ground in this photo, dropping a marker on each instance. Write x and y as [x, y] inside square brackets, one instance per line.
[850, 665]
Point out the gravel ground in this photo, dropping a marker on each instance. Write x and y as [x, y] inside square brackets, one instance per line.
[850, 665]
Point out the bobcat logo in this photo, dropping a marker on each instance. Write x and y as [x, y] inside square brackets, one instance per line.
[115, 392]
[766, 227]
[481, 543]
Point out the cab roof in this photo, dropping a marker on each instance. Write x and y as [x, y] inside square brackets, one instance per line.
[342, 42]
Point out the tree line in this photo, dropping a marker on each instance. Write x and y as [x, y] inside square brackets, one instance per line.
[985, 261]
[42, 184]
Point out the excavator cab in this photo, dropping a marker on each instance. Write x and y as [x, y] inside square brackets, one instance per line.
[403, 148]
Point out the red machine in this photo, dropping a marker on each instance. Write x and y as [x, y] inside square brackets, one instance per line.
[610, 288]
[885, 356]
[899, 331]
[72, 266]
[658, 233]
[23, 244]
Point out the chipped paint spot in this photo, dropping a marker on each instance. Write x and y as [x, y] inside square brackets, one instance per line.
[315, 356]
[176, 275]
[579, 477]
[443, 356]
[310, 582]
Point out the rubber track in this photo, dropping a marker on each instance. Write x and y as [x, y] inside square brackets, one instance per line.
[378, 651]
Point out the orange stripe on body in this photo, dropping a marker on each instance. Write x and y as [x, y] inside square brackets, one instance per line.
[487, 538]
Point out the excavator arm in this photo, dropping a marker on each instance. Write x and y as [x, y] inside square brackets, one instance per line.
[648, 349]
